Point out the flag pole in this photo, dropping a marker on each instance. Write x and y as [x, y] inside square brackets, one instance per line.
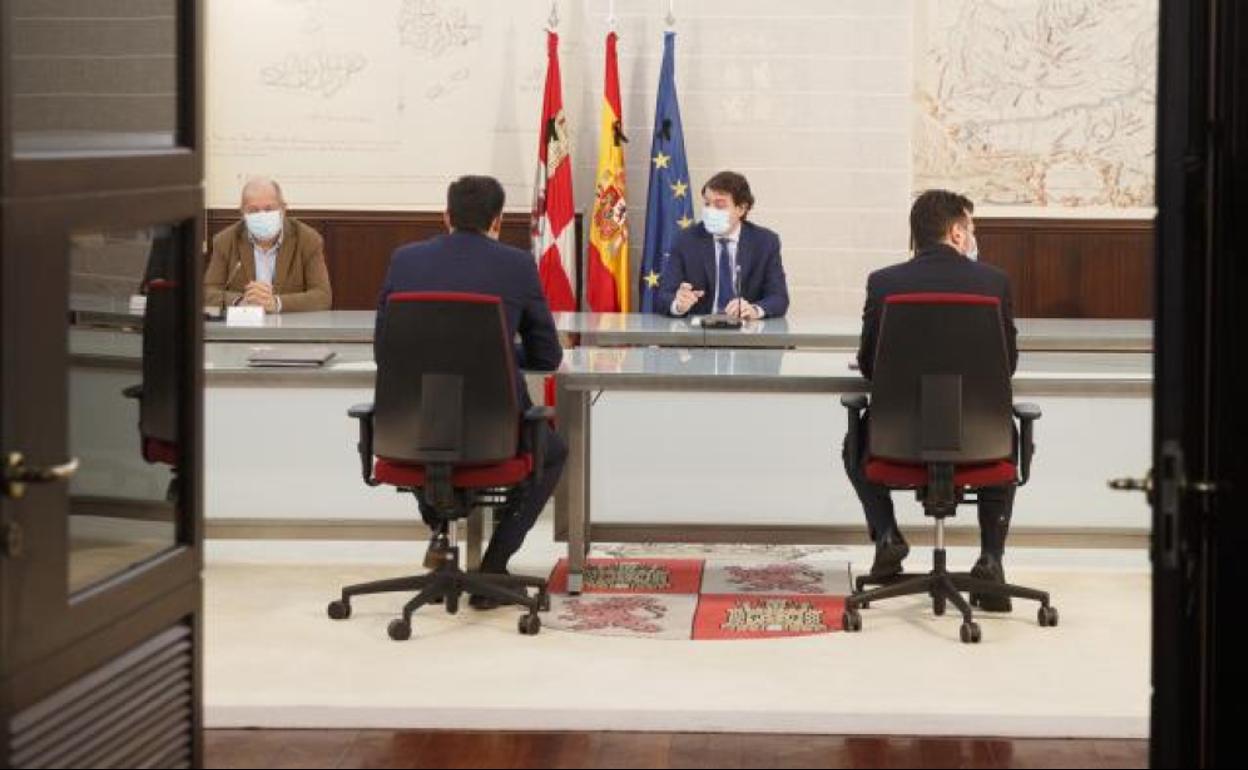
[671, 14]
[552, 21]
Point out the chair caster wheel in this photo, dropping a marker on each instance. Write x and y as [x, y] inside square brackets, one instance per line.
[543, 602]
[864, 606]
[451, 603]
[399, 629]
[339, 610]
[938, 605]
[529, 625]
[970, 633]
[851, 621]
[1047, 615]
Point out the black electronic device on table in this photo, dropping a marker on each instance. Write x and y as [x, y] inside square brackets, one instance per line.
[724, 320]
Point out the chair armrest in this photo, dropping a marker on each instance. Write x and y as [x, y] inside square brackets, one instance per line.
[538, 413]
[535, 417]
[134, 391]
[1026, 414]
[364, 413]
[855, 404]
[1025, 411]
[857, 401]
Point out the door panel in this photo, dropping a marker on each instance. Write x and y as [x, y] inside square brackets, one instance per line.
[101, 391]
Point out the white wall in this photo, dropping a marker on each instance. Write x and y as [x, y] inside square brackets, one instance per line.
[809, 99]
[836, 110]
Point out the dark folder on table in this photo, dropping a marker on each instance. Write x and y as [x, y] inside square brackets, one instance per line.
[290, 356]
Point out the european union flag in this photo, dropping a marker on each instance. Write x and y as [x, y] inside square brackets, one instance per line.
[669, 202]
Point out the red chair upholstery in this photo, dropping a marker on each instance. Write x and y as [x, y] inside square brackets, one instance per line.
[157, 394]
[443, 425]
[157, 451]
[504, 474]
[906, 475]
[941, 423]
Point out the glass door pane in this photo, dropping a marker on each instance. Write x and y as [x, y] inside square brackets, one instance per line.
[93, 75]
[125, 313]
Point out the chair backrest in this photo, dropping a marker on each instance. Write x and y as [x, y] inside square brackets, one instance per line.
[940, 391]
[446, 389]
[158, 407]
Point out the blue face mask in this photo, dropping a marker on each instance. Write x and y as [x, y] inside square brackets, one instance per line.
[264, 225]
[716, 221]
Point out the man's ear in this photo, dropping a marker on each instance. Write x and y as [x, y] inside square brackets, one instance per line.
[496, 227]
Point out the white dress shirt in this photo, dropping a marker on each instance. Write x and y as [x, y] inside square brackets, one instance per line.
[266, 264]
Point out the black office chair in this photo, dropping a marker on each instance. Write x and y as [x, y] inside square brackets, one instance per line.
[940, 423]
[158, 393]
[446, 426]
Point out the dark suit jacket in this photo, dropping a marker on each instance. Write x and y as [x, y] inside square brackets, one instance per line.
[300, 279]
[470, 262]
[693, 260]
[937, 269]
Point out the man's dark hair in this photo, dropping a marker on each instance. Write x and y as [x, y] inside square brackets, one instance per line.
[735, 185]
[474, 202]
[933, 213]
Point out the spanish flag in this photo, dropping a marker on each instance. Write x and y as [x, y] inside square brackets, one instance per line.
[608, 274]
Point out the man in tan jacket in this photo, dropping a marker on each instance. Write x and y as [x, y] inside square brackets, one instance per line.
[267, 258]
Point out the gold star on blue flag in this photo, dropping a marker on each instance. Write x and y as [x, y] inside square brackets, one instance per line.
[668, 205]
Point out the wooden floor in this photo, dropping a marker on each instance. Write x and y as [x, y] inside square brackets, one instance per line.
[390, 748]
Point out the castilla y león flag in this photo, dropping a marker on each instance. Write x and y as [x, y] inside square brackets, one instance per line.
[554, 236]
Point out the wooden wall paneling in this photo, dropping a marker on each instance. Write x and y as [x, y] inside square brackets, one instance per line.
[1073, 268]
[1059, 268]
[358, 244]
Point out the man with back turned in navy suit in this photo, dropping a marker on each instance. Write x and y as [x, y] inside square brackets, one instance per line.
[470, 259]
[723, 254]
[942, 231]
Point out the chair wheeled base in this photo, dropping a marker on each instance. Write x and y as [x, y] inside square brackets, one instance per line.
[945, 588]
[444, 585]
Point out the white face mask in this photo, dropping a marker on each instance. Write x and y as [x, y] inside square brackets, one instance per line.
[716, 221]
[973, 251]
[264, 225]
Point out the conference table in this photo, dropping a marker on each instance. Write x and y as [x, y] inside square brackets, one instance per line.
[588, 373]
[619, 393]
[636, 329]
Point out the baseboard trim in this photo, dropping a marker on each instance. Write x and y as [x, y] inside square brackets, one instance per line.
[917, 534]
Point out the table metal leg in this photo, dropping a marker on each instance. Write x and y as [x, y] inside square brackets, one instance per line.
[574, 420]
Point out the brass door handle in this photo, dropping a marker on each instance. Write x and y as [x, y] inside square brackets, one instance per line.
[17, 474]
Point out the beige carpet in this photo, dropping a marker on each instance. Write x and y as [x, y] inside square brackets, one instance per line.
[273, 659]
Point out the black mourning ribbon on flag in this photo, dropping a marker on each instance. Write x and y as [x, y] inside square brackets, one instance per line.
[618, 132]
[667, 129]
[550, 128]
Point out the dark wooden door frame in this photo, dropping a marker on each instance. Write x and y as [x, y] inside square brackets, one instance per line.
[1200, 534]
[50, 642]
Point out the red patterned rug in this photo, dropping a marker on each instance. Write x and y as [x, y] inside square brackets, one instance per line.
[700, 598]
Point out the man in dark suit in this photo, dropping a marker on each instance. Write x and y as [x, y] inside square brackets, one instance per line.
[709, 262]
[943, 233]
[470, 259]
